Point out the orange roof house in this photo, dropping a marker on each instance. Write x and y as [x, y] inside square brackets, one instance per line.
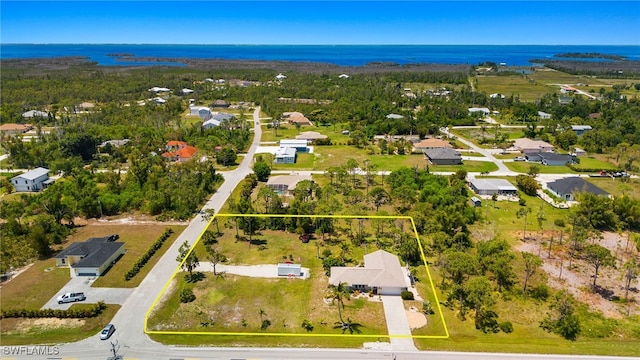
[179, 151]
[432, 143]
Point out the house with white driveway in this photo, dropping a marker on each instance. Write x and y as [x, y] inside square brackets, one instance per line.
[92, 257]
[381, 274]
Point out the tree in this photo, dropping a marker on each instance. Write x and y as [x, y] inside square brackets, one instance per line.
[495, 256]
[522, 213]
[598, 256]
[187, 258]
[479, 295]
[527, 184]
[262, 170]
[534, 170]
[561, 319]
[339, 293]
[379, 197]
[630, 274]
[531, 264]
[215, 257]
[227, 156]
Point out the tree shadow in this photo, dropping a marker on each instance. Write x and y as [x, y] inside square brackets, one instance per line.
[195, 277]
[258, 242]
[604, 292]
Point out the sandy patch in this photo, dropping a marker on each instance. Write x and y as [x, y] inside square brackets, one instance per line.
[416, 319]
[26, 325]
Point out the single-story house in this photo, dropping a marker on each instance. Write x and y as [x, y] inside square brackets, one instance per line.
[395, 116]
[285, 184]
[285, 155]
[493, 186]
[157, 89]
[114, 143]
[526, 145]
[543, 115]
[86, 106]
[381, 274]
[202, 112]
[220, 104]
[33, 180]
[482, 110]
[287, 269]
[580, 129]
[90, 258]
[392, 138]
[187, 91]
[496, 96]
[35, 114]
[299, 145]
[310, 136]
[579, 152]
[443, 156]
[568, 187]
[553, 159]
[280, 77]
[159, 100]
[432, 143]
[13, 129]
[343, 76]
[222, 117]
[179, 151]
[294, 117]
[211, 123]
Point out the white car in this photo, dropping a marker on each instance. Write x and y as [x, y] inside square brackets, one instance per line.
[519, 158]
[71, 297]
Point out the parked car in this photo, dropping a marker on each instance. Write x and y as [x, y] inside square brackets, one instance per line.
[113, 237]
[71, 297]
[107, 331]
[519, 158]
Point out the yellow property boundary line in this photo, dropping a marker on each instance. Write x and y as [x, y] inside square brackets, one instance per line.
[175, 272]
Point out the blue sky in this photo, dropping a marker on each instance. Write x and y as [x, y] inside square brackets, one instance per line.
[322, 22]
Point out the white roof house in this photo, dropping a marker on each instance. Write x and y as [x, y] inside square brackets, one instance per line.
[395, 116]
[286, 155]
[280, 77]
[159, 89]
[483, 110]
[34, 113]
[294, 143]
[529, 145]
[187, 91]
[33, 180]
[343, 76]
[211, 123]
[382, 274]
[492, 186]
[544, 115]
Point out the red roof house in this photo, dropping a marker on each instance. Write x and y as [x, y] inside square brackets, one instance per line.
[179, 151]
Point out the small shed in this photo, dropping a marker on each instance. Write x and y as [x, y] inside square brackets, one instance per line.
[476, 202]
[288, 269]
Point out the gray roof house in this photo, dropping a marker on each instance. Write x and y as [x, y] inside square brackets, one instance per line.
[33, 180]
[381, 274]
[553, 159]
[493, 186]
[580, 129]
[442, 156]
[567, 188]
[90, 258]
[285, 155]
[285, 184]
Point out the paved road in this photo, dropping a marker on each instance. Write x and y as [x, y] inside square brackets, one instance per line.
[502, 169]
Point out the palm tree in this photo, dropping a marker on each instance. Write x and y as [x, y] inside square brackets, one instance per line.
[262, 314]
[350, 326]
[339, 292]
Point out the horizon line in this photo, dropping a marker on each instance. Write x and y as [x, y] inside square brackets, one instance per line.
[248, 44]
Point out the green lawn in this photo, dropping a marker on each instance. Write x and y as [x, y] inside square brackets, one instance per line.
[523, 167]
[587, 162]
[32, 288]
[522, 86]
[618, 186]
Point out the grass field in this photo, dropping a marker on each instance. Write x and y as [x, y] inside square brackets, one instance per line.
[17, 331]
[617, 186]
[32, 288]
[587, 162]
[516, 85]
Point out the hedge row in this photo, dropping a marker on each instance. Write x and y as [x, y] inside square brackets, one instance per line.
[590, 170]
[135, 269]
[93, 311]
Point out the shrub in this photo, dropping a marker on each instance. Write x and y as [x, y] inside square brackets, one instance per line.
[265, 324]
[559, 222]
[522, 202]
[427, 309]
[307, 325]
[135, 269]
[93, 311]
[540, 292]
[506, 327]
[187, 296]
[406, 295]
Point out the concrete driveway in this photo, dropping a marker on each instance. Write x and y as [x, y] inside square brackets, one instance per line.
[94, 295]
[397, 323]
